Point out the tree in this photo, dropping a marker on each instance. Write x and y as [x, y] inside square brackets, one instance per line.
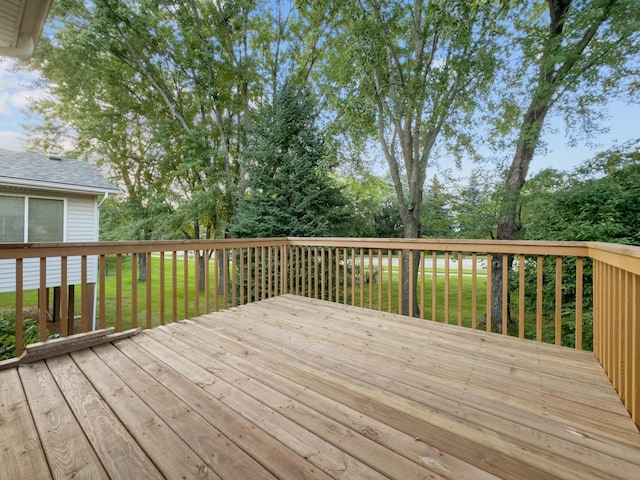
[367, 197]
[474, 208]
[599, 201]
[436, 219]
[289, 191]
[413, 73]
[576, 54]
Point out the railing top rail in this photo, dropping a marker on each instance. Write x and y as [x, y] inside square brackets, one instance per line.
[578, 249]
[625, 257]
[609, 253]
[36, 250]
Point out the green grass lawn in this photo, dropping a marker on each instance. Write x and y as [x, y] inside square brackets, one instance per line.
[359, 297]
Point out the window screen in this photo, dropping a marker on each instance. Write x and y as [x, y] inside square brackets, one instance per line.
[46, 220]
[11, 219]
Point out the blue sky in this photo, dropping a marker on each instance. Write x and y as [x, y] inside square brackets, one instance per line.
[623, 125]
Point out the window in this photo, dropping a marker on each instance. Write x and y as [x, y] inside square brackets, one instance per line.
[11, 219]
[43, 218]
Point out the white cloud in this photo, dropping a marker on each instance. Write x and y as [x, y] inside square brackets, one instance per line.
[12, 141]
[22, 99]
[17, 89]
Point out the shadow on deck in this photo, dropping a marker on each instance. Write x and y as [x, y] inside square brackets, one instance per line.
[295, 388]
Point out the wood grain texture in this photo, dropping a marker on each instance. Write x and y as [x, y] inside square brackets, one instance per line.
[21, 454]
[68, 451]
[121, 456]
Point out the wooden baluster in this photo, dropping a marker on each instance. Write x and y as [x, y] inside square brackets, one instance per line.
[225, 285]
[521, 294]
[434, 286]
[19, 332]
[185, 283]
[162, 288]
[250, 297]
[421, 269]
[68, 324]
[380, 277]
[207, 281]
[353, 276]
[315, 272]
[539, 295]
[234, 280]
[558, 301]
[196, 281]
[446, 287]
[634, 404]
[174, 286]
[102, 268]
[84, 300]
[460, 285]
[330, 269]
[323, 274]
[361, 282]
[400, 277]
[505, 293]
[370, 283]
[489, 272]
[390, 280]
[474, 290]
[410, 293]
[119, 291]
[309, 272]
[256, 273]
[346, 276]
[149, 296]
[579, 294]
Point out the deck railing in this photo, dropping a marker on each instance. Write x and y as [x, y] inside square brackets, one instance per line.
[583, 295]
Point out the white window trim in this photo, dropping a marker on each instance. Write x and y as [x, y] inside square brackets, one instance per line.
[25, 235]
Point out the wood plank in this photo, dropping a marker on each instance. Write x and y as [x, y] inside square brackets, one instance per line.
[512, 420]
[211, 444]
[68, 451]
[286, 451]
[171, 455]
[425, 351]
[119, 453]
[469, 390]
[355, 445]
[21, 454]
[411, 448]
[61, 346]
[372, 405]
[578, 458]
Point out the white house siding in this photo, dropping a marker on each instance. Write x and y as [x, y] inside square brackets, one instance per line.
[81, 220]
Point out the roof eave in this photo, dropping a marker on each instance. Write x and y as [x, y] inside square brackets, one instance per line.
[28, 30]
[57, 187]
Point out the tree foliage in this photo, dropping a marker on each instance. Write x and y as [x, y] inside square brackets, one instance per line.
[289, 191]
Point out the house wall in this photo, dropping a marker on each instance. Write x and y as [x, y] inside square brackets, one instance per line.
[81, 220]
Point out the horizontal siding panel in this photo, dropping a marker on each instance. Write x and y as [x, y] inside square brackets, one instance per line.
[32, 273]
[81, 220]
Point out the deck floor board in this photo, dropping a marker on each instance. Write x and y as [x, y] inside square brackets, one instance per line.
[296, 388]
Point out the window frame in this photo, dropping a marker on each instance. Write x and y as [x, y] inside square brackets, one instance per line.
[25, 234]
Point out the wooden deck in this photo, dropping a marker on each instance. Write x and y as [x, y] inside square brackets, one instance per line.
[294, 388]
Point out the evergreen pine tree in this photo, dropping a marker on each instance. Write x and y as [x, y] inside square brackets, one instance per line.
[289, 190]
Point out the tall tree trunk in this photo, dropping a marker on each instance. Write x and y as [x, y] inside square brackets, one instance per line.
[202, 258]
[508, 226]
[411, 225]
[142, 267]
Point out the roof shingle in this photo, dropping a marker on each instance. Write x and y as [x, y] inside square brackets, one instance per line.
[52, 173]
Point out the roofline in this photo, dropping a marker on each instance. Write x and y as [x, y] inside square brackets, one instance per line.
[57, 187]
[35, 12]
